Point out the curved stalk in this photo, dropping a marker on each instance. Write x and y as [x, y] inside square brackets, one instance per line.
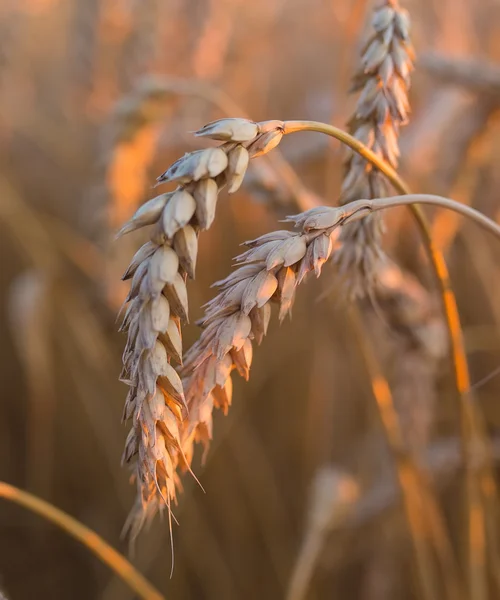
[470, 422]
[352, 142]
[115, 561]
[460, 367]
[377, 204]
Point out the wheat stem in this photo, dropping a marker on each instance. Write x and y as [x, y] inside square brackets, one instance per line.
[376, 204]
[303, 571]
[352, 142]
[414, 494]
[115, 561]
[470, 426]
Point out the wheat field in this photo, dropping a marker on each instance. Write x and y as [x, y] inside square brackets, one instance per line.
[353, 451]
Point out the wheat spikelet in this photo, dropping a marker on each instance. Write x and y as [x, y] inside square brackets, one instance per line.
[158, 302]
[382, 107]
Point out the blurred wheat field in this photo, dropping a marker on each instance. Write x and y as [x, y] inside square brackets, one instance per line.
[96, 101]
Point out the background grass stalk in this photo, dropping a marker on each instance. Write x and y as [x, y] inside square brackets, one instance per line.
[408, 471]
[108, 555]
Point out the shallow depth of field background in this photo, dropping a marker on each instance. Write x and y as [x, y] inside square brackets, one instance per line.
[81, 145]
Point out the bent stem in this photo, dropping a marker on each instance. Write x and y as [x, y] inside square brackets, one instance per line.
[115, 561]
[472, 434]
[377, 204]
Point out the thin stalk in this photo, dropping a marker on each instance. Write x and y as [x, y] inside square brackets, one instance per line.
[414, 494]
[377, 204]
[471, 430]
[303, 571]
[115, 561]
[413, 478]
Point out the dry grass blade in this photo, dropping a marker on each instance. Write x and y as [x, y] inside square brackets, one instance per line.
[85, 536]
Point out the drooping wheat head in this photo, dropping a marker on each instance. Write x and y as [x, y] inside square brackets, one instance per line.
[269, 271]
[158, 303]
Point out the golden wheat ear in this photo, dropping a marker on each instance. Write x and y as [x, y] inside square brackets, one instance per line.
[383, 82]
[158, 302]
[269, 271]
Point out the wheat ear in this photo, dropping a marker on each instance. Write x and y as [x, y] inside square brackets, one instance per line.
[383, 81]
[158, 302]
